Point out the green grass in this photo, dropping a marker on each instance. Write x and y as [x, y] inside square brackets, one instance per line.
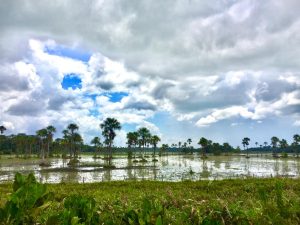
[249, 201]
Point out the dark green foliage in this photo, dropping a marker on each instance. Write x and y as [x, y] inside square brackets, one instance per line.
[151, 212]
[77, 210]
[28, 200]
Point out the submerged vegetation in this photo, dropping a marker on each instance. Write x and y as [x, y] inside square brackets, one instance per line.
[250, 201]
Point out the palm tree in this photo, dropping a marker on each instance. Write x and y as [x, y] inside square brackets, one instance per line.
[67, 141]
[296, 138]
[256, 144]
[72, 127]
[283, 144]
[245, 143]
[78, 141]
[145, 136]
[131, 140]
[42, 136]
[204, 143]
[265, 144]
[154, 140]
[109, 126]
[2, 129]
[179, 145]
[32, 141]
[50, 130]
[58, 145]
[274, 143]
[97, 143]
[189, 141]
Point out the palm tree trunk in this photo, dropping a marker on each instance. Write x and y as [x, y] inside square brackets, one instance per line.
[110, 154]
[48, 147]
[42, 151]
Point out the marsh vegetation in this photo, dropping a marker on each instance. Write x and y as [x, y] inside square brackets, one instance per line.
[239, 201]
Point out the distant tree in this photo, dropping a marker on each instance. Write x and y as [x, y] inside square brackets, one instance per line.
[2, 129]
[265, 144]
[58, 146]
[296, 139]
[274, 143]
[130, 139]
[72, 128]
[32, 140]
[204, 143]
[245, 143]
[67, 141]
[179, 144]
[109, 128]
[50, 132]
[144, 135]
[283, 144]
[227, 147]
[163, 149]
[42, 136]
[256, 144]
[154, 140]
[97, 144]
[78, 141]
[189, 141]
[216, 148]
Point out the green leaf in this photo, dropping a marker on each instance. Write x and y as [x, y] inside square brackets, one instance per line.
[158, 221]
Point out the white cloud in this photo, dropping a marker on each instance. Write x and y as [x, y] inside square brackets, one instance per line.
[199, 61]
[222, 114]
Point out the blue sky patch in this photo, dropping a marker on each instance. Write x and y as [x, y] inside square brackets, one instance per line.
[94, 112]
[113, 96]
[69, 52]
[71, 81]
[116, 96]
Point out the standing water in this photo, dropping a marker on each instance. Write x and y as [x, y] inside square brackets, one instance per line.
[167, 168]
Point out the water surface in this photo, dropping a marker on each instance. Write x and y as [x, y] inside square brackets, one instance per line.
[168, 168]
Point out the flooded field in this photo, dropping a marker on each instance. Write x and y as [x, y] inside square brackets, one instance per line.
[168, 168]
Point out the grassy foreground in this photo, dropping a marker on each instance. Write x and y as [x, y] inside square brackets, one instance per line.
[250, 201]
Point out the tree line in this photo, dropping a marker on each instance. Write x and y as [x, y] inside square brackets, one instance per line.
[138, 142]
[276, 145]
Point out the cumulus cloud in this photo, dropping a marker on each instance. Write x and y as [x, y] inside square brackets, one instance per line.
[198, 61]
[224, 114]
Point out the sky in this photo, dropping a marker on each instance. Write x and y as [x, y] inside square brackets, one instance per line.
[223, 69]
